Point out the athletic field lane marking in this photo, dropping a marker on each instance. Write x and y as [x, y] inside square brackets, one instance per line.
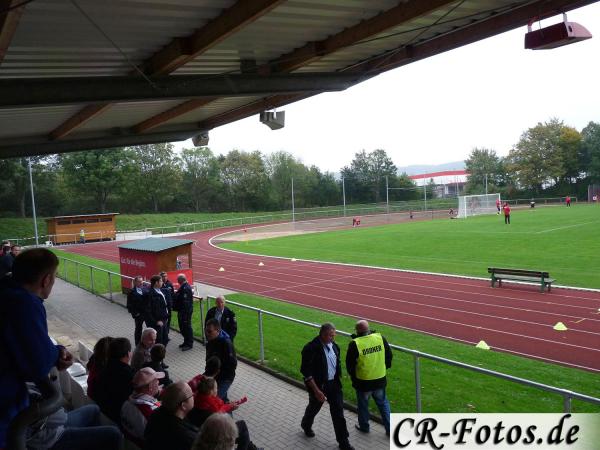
[567, 226]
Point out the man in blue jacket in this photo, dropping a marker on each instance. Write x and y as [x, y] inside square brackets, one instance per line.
[26, 352]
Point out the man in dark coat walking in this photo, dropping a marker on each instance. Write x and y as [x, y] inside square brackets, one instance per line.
[183, 303]
[220, 345]
[224, 315]
[322, 373]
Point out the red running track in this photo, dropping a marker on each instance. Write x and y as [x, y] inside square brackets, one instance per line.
[516, 319]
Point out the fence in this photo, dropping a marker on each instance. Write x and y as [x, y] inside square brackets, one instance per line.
[102, 285]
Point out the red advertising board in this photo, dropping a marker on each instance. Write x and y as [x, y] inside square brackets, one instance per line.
[135, 263]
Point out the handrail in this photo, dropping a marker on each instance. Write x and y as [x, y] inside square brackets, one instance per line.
[567, 395]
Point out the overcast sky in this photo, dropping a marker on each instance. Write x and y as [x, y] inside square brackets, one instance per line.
[437, 110]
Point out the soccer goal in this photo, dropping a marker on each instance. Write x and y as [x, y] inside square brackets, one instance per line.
[474, 205]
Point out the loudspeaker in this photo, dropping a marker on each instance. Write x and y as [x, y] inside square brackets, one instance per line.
[200, 140]
[274, 120]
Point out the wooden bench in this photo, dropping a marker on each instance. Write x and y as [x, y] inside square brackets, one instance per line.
[526, 276]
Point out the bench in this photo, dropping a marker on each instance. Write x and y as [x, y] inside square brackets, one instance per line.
[526, 276]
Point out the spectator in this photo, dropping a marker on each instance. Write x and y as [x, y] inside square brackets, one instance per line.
[141, 404]
[367, 360]
[157, 356]
[97, 364]
[212, 369]
[26, 352]
[184, 305]
[114, 383]
[322, 375]
[220, 345]
[206, 398]
[166, 428]
[82, 236]
[141, 355]
[219, 432]
[137, 300]
[6, 260]
[224, 316]
[158, 311]
[79, 429]
[169, 291]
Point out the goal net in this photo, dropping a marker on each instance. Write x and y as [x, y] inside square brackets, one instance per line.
[474, 205]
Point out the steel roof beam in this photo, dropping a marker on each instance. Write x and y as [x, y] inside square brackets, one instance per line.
[68, 91]
[181, 50]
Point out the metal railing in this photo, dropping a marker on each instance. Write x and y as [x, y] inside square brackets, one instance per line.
[566, 394]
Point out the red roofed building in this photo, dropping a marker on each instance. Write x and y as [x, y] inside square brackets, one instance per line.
[448, 182]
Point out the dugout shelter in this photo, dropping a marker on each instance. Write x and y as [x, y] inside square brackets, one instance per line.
[148, 257]
[89, 74]
[96, 227]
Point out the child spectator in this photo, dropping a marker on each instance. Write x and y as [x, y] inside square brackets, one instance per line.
[206, 398]
[212, 369]
[157, 355]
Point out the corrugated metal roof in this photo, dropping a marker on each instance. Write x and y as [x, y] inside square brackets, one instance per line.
[155, 245]
[81, 215]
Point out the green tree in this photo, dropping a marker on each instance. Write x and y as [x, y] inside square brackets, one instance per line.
[96, 174]
[200, 176]
[365, 178]
[245, 177]
[589, 159]
[483, 163]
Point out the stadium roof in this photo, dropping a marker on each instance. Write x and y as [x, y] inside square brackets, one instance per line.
[155, 244]
[86, 74]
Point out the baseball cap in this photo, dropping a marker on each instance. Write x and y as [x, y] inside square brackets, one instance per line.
[145, 376]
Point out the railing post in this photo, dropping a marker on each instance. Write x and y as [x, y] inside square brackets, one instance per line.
[201, 319]
[110, 287]
[567, 404]
[78, 282]
[92, 279]
[418, 383]
[261, 337]
[65, 271]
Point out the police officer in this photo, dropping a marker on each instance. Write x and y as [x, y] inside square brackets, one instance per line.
[367, 360]
[184, 305]
[169, 291]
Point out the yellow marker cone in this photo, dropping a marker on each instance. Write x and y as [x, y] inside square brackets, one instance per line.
[294, 259]
[482, 345]
[261, 264]
[560, 327]
[221, 269]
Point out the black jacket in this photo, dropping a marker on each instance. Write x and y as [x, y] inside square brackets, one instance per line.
[167, 431]
[222, 348]
[314, 363]
[113, 388]
[184, 299]
[351, 360]
[169, 291]
[228, 321]
[136, 303]
[157, 308]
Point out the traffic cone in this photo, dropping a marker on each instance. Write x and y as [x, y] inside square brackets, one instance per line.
[482, 345]
[294, 259]
[560, 327]
[261, 264]
[221, 269]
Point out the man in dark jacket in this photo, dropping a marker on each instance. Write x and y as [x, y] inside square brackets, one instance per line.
[184, 305]
[220, 345]
[136, 306]
[167, 427]
[26, 352]
[157, 313]
[169, 291]
[224, 315]
[322, 373]
[114, 383]
[367, 360]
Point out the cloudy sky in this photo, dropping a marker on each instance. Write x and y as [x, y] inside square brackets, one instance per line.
[437, 110]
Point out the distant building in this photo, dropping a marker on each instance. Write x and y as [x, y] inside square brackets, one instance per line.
[448, 183]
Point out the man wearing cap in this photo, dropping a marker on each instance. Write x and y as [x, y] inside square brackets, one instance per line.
[184, 305]
[367, 360]
[141, 403]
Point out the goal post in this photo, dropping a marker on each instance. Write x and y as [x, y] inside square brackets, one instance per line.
[474, 205]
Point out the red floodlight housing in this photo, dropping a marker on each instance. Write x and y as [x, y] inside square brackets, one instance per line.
[555, 35]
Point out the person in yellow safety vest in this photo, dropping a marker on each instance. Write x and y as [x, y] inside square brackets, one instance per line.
[82, 236]
[367, 360]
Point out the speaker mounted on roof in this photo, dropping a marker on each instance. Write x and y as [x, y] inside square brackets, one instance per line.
[556, 35]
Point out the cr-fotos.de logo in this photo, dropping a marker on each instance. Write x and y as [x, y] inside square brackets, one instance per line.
[495, 431]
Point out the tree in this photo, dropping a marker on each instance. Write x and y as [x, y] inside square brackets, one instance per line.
[96, 173]
[589, 159]
[157, 173]
[200, 176]
[537, 159]
[245, 177]
[483, 166]
[366, 175]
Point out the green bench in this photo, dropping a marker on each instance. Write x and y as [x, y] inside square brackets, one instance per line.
[526, 276]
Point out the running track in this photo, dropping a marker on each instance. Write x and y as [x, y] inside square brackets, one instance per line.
[516, 319]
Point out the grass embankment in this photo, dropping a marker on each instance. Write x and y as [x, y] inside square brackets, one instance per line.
[564, 241]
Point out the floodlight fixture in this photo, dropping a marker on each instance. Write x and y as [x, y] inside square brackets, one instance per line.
[556, 35]
[200, 140]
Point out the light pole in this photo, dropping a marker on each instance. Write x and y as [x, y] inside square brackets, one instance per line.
[293, 206]
[344, 195]
[37, 242]
[387, 195]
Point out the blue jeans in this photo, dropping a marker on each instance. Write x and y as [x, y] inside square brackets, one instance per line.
[83, 431]
[222, 388]
[382, 403]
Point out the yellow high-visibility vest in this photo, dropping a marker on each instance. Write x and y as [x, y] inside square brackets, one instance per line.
[371, 357]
